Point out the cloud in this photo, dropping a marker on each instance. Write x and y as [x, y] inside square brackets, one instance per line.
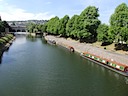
[48, 3]
[9, 12]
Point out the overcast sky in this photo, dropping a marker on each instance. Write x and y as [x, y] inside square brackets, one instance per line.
[46, 9]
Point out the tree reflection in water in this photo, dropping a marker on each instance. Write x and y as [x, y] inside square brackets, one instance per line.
[1, 55]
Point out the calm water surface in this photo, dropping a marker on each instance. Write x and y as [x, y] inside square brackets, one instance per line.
[33, 68]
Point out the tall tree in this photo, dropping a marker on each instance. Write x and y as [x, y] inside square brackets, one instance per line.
[89, 23]
[119, 21]
[72, 26]
[55, 25]
[62, 25]
[102, 32]
[52, 25]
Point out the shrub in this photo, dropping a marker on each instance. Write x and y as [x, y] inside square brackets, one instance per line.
[2, 41]
[5, 38]
[9, 36]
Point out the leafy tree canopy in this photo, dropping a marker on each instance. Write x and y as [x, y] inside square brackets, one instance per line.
[102, 33]
[119, 21]
[62, 25]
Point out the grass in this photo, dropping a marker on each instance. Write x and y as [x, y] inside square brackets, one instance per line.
[110, 47]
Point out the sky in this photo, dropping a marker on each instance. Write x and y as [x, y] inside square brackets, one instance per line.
[46, 9]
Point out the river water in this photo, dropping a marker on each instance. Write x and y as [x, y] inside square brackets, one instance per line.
[31, 67]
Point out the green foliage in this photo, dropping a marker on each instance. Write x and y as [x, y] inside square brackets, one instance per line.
[3, 25]
[72, 27]
[102, 33]
[9, 36]
[119, 23]
[52, 25]
[120, 16]
[30, 27]
[127, 42]
[55, 25]
[5, 38]
[87, 27]
[35, 30]
[89, 22]
[83, 34]
[111, 34]
[44, 28]
[2, 41]
[124, 34]
[78, 27]
[62, 25]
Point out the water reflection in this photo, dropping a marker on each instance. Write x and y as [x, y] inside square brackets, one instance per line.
[126, 80]
[117, 76]
[1, 55]
[31, 38]
[37, 69]
[43, 41]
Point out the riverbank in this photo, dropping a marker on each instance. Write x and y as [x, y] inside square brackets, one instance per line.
[84, 47]
[5, 42]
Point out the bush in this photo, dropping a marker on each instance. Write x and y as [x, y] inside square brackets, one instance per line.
[5, 38]
[9, 36]
[2, 41]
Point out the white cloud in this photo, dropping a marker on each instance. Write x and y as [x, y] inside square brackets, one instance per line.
[9, 12]
[48, 3]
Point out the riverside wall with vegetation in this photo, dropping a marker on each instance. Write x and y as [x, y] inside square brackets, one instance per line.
[6, 41]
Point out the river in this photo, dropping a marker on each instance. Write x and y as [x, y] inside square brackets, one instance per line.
[31, 67]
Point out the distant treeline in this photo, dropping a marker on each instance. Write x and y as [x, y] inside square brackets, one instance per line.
[86, 27]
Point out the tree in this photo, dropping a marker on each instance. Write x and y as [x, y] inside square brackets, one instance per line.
[55, 25]
[119, 21]
[83, 34]
[89, 23]
[62, 25]
[124, 34]
[39, 27]
[81, 27]
[44, 27]
[52, 25]
[102, 33]
[111, 34]
[72, 26]
[30, 27]
[3, 26]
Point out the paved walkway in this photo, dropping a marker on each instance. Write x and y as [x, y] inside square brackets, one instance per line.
[83, 47]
